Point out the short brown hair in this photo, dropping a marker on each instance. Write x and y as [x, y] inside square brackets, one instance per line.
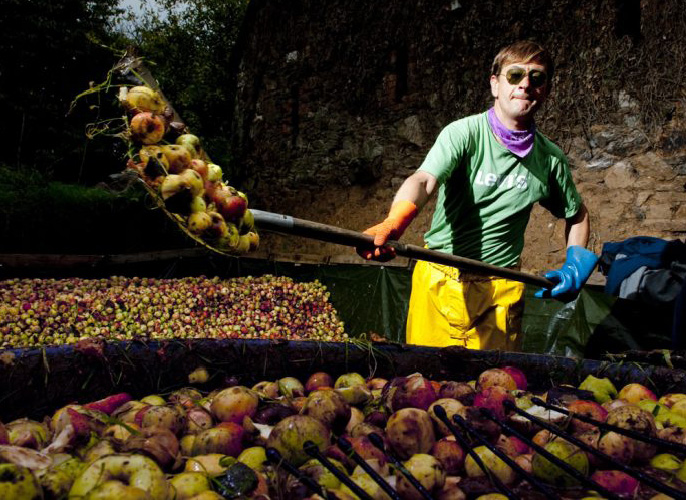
[524, 51]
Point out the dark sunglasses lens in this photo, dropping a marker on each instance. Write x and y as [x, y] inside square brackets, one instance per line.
[515, 75]
[537, 78]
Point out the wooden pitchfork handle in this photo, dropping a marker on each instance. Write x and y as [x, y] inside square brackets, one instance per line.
[286, 224]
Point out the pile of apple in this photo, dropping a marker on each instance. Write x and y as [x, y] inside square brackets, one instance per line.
[184, 177]
[63, 311]
[191, 445]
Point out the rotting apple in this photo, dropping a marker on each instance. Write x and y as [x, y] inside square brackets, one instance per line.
[410, 431]
[290, 434]
[635, 392]
[234, 403]
[328, 407]
[147, 128]
[427, 470]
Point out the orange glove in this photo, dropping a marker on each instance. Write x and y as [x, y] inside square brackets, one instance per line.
[399, 217]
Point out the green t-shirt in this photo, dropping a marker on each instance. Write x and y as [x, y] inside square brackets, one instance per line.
[486, 192]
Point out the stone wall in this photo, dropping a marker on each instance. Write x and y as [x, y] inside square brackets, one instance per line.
[338, 101]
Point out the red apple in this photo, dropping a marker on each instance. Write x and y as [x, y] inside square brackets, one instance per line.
[616, 481]
[517, 375]
[588, 409]
[318, 380]
[414, 391]
[494, 398]
[231, 207]
[226, 438]
[450, 454]
[200, 167]
[633, 393]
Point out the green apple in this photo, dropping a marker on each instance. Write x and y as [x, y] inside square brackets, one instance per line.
[666, 462]
[188, 484]
[568, 453]
[154, 400]
[18, 483]
[254, 457]
[602, 388]
[492, 462]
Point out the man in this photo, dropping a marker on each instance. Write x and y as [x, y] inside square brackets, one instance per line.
[488, 171]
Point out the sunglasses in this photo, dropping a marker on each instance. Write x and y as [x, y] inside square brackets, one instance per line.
[516, 74]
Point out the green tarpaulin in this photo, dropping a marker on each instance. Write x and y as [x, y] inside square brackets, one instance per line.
[373, 299]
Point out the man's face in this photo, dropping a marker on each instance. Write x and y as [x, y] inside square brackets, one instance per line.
[516, 103]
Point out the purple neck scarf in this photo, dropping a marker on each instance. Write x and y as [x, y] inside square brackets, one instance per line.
[520, 142]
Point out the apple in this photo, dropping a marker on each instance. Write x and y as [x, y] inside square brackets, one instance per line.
[194, 181]
[186, 485]
[679, 408]
[158, 443]
[247, 222]
[142, 99]
[154, 163]
[212, 464]
[27, 433]
[427, 470]
[356, 418]
[153, 400]
[191, 143]
[616, 481]
[18, 482]
[147, 128]
[452, 407]
[166, 417]
[199, 222]
[214, 172]
[450, 454]
[547, 471]
[634, 418]
[602, 388]
[290, 434]
[589, 409]
[197, 420]
[266, 389]
[232, 207]
[290, 387]
[414, 391]
[218, 227]
[633, 393]
[461, 391]
[492, 462]
[328, 407]
[254, 457]
[493, 398]
[318, 380]
[495, 377]
[365, 449]
[234, 403]
[666, 462]
[410, 431]
[517, 375]
[617, 446]
[670, 399]
[178, 157]
[226, 438]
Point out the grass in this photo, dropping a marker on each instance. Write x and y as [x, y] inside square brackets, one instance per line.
[43, 216]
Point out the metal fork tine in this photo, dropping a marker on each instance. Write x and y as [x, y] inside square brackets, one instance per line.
[378, 442]
[440, 413]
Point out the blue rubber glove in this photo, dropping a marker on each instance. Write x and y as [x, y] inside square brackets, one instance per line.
[572, 275]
